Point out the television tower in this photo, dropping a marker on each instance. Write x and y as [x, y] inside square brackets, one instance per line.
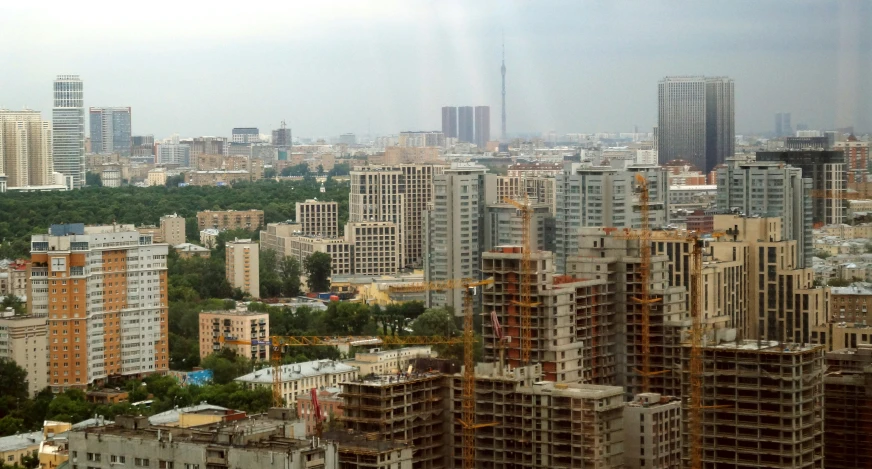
[503, 71]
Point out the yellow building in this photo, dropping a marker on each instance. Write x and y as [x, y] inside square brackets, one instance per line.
[245, 332]
[242, 264]
[13, 448]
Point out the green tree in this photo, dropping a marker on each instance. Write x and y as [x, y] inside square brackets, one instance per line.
[435, 321]
[289, 274]
[837, 282]
[10, 425]
[13, 387]
[270, 283]
[269, 173]
[301, 169]
[226, 366]
[317, 267]
[822, 254]
[14, 302]
[93, 179]
[70, 406]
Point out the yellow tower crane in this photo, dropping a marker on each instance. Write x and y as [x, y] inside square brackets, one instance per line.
[526, 273]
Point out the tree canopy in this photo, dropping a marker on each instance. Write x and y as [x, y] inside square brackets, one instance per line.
[317, 267]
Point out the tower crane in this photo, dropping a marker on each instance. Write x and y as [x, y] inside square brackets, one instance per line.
[526, 272]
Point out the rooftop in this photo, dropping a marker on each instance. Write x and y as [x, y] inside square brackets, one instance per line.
[587, 391]
[189, 247]
[390, 380]
[172, 416]
[19, 442]
[297, 371]
[764, 346]
[859, 288]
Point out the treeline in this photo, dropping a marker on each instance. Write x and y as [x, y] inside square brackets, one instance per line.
[23, 214]
[20, 413]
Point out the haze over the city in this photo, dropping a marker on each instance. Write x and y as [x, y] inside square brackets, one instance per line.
[333, 67]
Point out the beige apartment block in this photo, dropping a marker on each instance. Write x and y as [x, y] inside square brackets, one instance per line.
[172, 228]
[230, 219]
[242, 264]
[537, 189]
[25, 148]
[24, 340]
[340, 251]
[274, 237]
[104, 291]
[317, 218]
[376, 247]
[14, 278]
[244, 332]
[157, 177]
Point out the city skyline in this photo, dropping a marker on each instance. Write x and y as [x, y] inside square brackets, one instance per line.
[607, 98]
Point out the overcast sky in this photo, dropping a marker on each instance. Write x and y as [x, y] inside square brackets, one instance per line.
[329, 67]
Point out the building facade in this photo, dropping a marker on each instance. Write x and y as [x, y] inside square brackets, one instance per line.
[24, 340]
[652, 432]
[172, 152]
[172, 228]
[104, 291]
[465, 124]
[68, 130]
[482, 126]
[449, 121]
[453, 228]
[242, 266]
[318, 218]
[244, 332]
[111, 130]
[696, 120]
[230, 219]
[770, 189]
[301, 378]
[245, 135]
[25, 149]
[826, 169]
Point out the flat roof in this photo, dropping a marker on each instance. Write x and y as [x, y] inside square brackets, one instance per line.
[297, 371]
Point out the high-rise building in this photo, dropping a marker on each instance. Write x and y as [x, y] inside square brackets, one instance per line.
[453, 228]
[696, 121]
[281, 137]
[752, 419]
[857, 162]
[601, 196]
[848, 415]
[482, 126]
[779, 124]
[770, 189]
[317, 218]
[245, 135]
[111, 130]
[104, 291]
[25, 149]
[347, 139]
[503, 226]
[826, 169]
[171, 151]
[465, 124]
[242, 266]
[68, 130]
[449, 121]
[24, 340]
[244, 332]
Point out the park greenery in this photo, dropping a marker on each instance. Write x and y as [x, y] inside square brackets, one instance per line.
[23, 214]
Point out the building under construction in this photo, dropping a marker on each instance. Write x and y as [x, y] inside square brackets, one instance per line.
[848, 411]
[762, 405]
[573, 328]
[368, 451]
[405, 408]
[541, 423]
[605, 256]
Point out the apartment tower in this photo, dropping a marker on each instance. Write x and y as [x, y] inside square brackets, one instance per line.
[68, 130]
[24, 340]
[453, 229]
[242, 266]
[104, 291]
[25, 149]
[826, 169]
[482, 126]
[449, 121]
[318, 218]
[465, 124]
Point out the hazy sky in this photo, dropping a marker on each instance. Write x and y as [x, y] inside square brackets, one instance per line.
[329, 67]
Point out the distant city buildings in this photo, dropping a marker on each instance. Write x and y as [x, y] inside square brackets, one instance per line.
[449, 121]
[482, 126]
[783, 126]
[68, 130]
[281, 137]
[465, 124]
[230, 219]
[142, 150]
[111, 130]
[696, 120]
[172, 152]
[826, 169]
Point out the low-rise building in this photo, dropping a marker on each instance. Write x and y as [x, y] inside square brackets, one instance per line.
[384, 362]
[209, 237]
[157, 177]
[301, 378]
[188, 250]
[14, 278]
[330, 403]
[230, 219]
[265, 441]
[13, 448]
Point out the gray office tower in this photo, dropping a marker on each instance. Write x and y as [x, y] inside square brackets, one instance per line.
[68, 130]
[826, 169]
[482, 126]
[696, 120]
[449, 121]
[110, 130]
[465, 124]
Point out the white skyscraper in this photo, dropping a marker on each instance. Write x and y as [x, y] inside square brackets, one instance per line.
[68, 130]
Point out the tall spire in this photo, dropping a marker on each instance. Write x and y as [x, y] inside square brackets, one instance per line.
[503, 71]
